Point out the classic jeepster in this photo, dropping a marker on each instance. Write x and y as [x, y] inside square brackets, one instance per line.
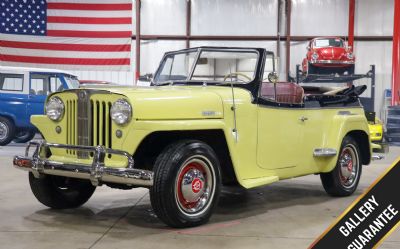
[210, 118]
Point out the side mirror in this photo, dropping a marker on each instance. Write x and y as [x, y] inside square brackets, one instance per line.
[308, 47]
[273, 77]
[147, 77]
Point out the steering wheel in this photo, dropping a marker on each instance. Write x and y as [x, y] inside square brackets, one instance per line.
[237, 74]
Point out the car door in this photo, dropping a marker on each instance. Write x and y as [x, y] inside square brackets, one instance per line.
[278, 133]
[38, 91]
[278, 138]
[314, 132]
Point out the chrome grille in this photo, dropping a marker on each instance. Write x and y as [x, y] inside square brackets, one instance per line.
[88, 121]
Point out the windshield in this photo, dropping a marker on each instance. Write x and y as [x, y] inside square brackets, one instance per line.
[236, 66]
[175, 67]
[72, 81]
[328, 42]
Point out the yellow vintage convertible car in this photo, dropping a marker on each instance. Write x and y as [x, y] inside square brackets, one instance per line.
[209, 118]
[376, 130]
[376, 133]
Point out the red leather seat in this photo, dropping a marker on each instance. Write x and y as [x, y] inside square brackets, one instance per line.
[286, 92]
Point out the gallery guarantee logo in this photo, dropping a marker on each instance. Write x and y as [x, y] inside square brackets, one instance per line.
[370, 218]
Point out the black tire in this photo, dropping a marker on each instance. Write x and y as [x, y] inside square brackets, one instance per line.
[60, 192]
[350, 70]
[7, 131]
[24, 136]
[310, 68]
[177, 202]
[344, 178]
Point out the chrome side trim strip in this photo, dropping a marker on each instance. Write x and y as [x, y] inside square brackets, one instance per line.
[324, 152]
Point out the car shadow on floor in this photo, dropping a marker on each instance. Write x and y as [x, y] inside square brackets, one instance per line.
[235, 203]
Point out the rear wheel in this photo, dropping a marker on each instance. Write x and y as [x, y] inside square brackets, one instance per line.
[7, 131]
[343, 179]
[186, 184]
[60, 192]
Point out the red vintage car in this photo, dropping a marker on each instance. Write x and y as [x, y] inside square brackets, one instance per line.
[327, 55]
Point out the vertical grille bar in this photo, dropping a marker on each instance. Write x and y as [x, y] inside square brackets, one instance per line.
[75, 125]
[84, 122]
[95, 122]
[101, 125]
[106, 124]
[70, 116]
[109, 127]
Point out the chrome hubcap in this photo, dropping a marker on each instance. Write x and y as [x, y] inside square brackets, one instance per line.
[194, 186]
[348, 163]
[3, 131]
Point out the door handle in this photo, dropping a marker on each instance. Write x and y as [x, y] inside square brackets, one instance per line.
[302, 118]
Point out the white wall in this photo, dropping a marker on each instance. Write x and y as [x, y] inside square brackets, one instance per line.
[166, 17]
[319, 17]
[234, 17]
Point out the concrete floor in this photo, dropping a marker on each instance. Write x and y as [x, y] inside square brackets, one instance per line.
[287, 214]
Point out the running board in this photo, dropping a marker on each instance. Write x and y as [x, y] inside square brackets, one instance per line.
[256, 182]
[324, 152]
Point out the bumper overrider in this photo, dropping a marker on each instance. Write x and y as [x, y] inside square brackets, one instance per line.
[97, 172]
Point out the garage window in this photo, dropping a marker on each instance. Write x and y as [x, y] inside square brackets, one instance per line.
[12, 82]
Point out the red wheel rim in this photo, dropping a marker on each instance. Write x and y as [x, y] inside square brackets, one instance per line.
[348, 163]
[194, 185]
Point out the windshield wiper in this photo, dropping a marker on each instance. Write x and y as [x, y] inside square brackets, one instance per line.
[169, 82]
[186, 82]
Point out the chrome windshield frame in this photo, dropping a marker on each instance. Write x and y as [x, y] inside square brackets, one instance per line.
[197, 56]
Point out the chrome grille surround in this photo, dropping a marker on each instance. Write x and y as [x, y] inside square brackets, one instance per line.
[88, 121]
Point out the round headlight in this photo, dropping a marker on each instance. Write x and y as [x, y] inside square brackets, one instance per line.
[314, 56]
[121, 112]
[350, 56]
[55, 109]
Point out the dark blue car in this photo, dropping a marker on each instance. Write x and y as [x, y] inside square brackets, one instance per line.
[23, 92]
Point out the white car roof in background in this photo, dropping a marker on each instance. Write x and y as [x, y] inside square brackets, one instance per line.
[33, 69]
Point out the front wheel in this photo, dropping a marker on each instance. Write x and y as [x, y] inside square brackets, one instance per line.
[186, 184]
[343, 179]
[61, 192]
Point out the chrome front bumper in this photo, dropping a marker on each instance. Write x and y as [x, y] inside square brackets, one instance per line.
[96, 172]
[332, 62]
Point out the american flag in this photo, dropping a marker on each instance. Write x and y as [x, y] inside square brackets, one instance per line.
[66, 34]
